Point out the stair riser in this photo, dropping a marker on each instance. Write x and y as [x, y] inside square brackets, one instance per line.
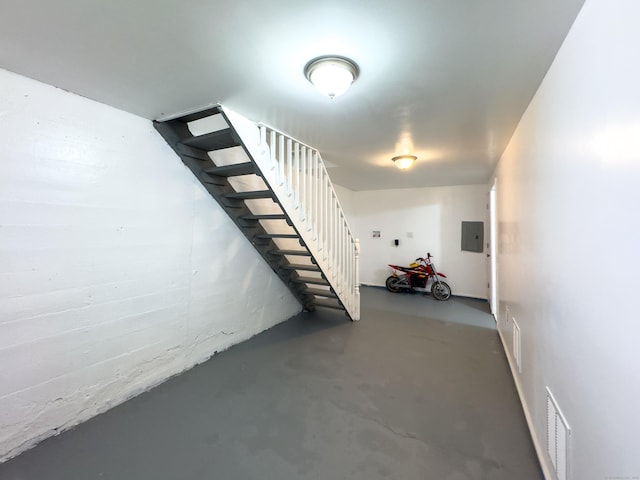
[206, 179]
[303, 268]
[213, 141]
[192, 152]
[227, 171]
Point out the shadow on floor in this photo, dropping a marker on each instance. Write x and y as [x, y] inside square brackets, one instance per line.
[416, 390]
[461, 310]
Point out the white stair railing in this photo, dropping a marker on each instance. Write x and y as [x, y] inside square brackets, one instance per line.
[297, 175]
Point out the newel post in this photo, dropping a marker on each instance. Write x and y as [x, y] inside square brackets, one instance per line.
[357, 279]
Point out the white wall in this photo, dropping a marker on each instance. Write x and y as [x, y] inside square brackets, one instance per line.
[117, 269]
[568, 200]
[433, 217]
[347, 200]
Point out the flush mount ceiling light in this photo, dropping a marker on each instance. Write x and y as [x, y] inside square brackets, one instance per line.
[404, 161]
[331, 75]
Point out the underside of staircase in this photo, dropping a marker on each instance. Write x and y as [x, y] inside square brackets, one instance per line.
[216, 153]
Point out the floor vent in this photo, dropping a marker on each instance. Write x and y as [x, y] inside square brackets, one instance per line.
[557, 438]
[517, 356]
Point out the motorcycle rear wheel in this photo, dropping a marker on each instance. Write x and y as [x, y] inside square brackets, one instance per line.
[392, 284]
[441, 291]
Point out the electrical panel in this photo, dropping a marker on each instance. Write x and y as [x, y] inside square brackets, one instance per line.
[473, 236]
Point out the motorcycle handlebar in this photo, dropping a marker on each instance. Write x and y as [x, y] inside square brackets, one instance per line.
[424, 260]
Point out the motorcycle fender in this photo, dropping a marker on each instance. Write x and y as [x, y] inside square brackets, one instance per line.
[442, 275]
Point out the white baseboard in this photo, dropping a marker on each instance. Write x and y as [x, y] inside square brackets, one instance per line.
[455, 294]
[540, 450]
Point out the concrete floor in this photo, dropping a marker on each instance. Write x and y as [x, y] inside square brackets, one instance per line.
[417, 390]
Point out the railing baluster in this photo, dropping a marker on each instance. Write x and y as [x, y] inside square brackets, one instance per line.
[340, 246]
[310, 186]
[345, 259]
[345, 256]
[296, 175]
[281, 159]
[303, 183]
[350, 273]
[317, 199]
[336, 242]
[263, 134]
[289, 167]
[319, 211]
[338, 239]
[325, 220]
[272, 152]
[334, 234]
[331, 244]
[323, 216]
[300, 180]
[310, 155]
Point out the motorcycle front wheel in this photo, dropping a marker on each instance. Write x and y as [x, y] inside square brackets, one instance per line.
[392, 284]
[441, 290]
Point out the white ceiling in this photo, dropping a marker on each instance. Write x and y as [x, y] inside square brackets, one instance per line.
[446, 79]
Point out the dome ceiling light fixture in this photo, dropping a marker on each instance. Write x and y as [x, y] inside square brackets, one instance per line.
[332, 75]
[403, 162]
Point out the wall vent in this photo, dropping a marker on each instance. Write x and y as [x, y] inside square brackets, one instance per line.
[516, 345]
[558, 432]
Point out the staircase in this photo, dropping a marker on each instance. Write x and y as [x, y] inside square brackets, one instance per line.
[278, 193]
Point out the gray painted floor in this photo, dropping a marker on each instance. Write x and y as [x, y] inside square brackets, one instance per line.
[418, 389]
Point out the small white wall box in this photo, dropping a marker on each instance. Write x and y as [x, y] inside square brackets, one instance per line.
[473, 237]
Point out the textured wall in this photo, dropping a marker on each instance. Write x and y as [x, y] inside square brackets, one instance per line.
[117, 269]
[568, 232]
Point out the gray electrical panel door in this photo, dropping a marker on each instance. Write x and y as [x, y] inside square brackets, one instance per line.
[473, 236]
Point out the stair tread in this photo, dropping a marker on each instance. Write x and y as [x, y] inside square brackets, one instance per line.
[298, 266]
[234, 170]
[252, 195]
[301, 253]
[317, 292]
[217, 140]
[277, 235]
[271, 216]
[311, 280]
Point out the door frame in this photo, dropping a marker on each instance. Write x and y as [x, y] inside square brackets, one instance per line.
[492, 252]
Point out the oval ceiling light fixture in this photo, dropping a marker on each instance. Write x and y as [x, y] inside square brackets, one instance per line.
[332, 75]
[404, 162]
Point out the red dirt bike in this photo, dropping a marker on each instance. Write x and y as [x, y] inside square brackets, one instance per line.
[418, 275]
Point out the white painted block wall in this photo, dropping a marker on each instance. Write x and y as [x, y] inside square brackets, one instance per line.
[117, 269]
[423, 220]
[568, 198]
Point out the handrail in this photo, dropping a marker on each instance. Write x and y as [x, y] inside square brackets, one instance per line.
[299, 179]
